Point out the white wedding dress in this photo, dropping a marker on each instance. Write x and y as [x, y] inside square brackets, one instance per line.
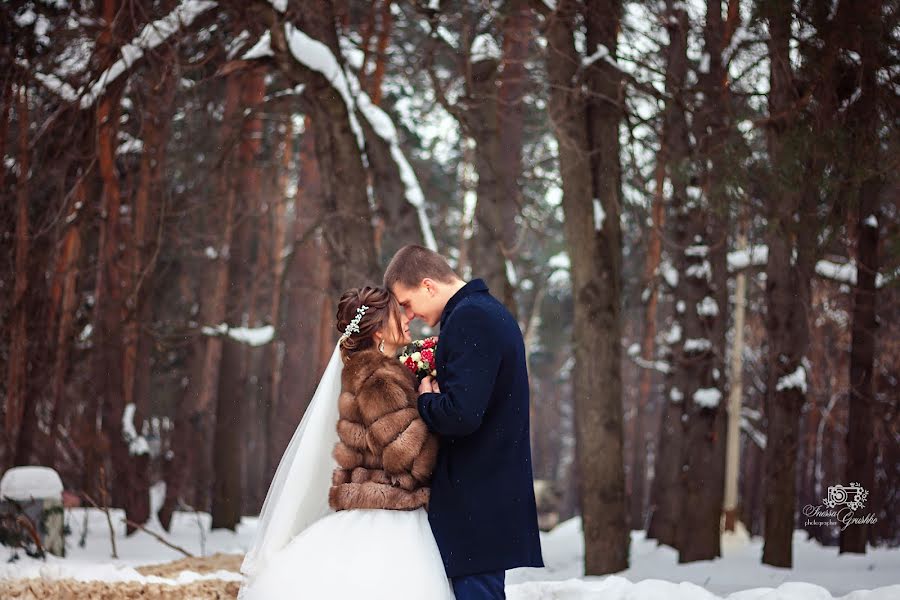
[303, 550]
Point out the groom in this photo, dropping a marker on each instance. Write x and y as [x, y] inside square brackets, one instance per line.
[482, 507]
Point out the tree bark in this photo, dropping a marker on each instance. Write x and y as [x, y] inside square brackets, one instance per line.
[17, 370]
[788, 274]
[735, 396]
[347, 229]
[234, 390]
[648, 352]
[308, 310]
[864, 117]
[706, 291]
[587, 130]
[666, 490]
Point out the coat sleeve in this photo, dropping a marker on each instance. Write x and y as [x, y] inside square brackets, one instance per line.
[394, 429]
[473, 348]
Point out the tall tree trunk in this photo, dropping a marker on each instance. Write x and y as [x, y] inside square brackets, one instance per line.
[735, 396]
[234, 390]
[706, 288]
[587, 130]
[110, 286]
[788, 274]
[17, 369]
[864, 117]
[194, 441]
[258, 476]
[65, 280]
[308, 313]
[142, 251]
[648, 352]
[497, 126]
[666, 490]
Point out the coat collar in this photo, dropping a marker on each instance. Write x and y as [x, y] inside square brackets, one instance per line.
[473, 287]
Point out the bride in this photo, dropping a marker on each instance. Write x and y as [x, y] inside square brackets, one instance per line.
[345, 515]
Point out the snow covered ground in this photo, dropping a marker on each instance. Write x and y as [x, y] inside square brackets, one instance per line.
[819, 572]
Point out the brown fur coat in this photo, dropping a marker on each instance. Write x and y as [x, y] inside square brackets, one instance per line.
[385, 454]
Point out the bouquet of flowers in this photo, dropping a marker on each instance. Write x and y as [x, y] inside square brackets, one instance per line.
[419, 357]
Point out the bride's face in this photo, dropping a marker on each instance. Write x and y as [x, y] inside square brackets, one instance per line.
[397, 333]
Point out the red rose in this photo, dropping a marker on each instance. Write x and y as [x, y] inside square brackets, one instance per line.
[429, 343]
[410, 364]
[428, 355]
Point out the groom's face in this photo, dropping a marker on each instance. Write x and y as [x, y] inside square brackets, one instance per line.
[419, 303]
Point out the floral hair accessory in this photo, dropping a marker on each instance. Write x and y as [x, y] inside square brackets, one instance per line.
[353, 327]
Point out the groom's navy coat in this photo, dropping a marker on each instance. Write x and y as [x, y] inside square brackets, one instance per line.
[482, 507]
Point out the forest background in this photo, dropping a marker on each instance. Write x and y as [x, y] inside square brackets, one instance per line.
[691, 208]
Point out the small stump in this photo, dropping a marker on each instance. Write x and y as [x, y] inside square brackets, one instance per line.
[35, 494]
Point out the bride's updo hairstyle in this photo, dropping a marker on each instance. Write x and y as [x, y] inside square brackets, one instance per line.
[381, 304]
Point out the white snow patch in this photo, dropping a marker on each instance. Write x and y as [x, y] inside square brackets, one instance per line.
[694, 194]
[697, 345]
[673, 336]
[707, 397]
[704, 63]
[263, 47]
[137, 444]
[669, 273]
[559, 261]
[797, 379]
[754, 256]
[653, 573]
[871, 221]
[254, 336]
[700, 270]
[707, 307]
[602, 53]
[680, 307]
[599, 215]
[676, 395]
[845, 272]
[699, 250]
[25, 483]
[511, 273]
[129, 145]
[484, 47]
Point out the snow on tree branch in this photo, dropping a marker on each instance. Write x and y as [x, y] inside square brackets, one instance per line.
[758, 256]
[252, 336]
[318, 57]
[151, 36]
[383, 127]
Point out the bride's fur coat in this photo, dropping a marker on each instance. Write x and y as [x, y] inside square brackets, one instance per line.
[386, 453]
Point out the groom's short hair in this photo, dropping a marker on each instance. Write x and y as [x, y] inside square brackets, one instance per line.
[411, 264]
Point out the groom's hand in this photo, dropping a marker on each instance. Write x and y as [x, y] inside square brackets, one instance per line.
[429, 385]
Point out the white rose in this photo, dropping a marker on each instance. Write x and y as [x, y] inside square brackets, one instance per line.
[417, 356]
